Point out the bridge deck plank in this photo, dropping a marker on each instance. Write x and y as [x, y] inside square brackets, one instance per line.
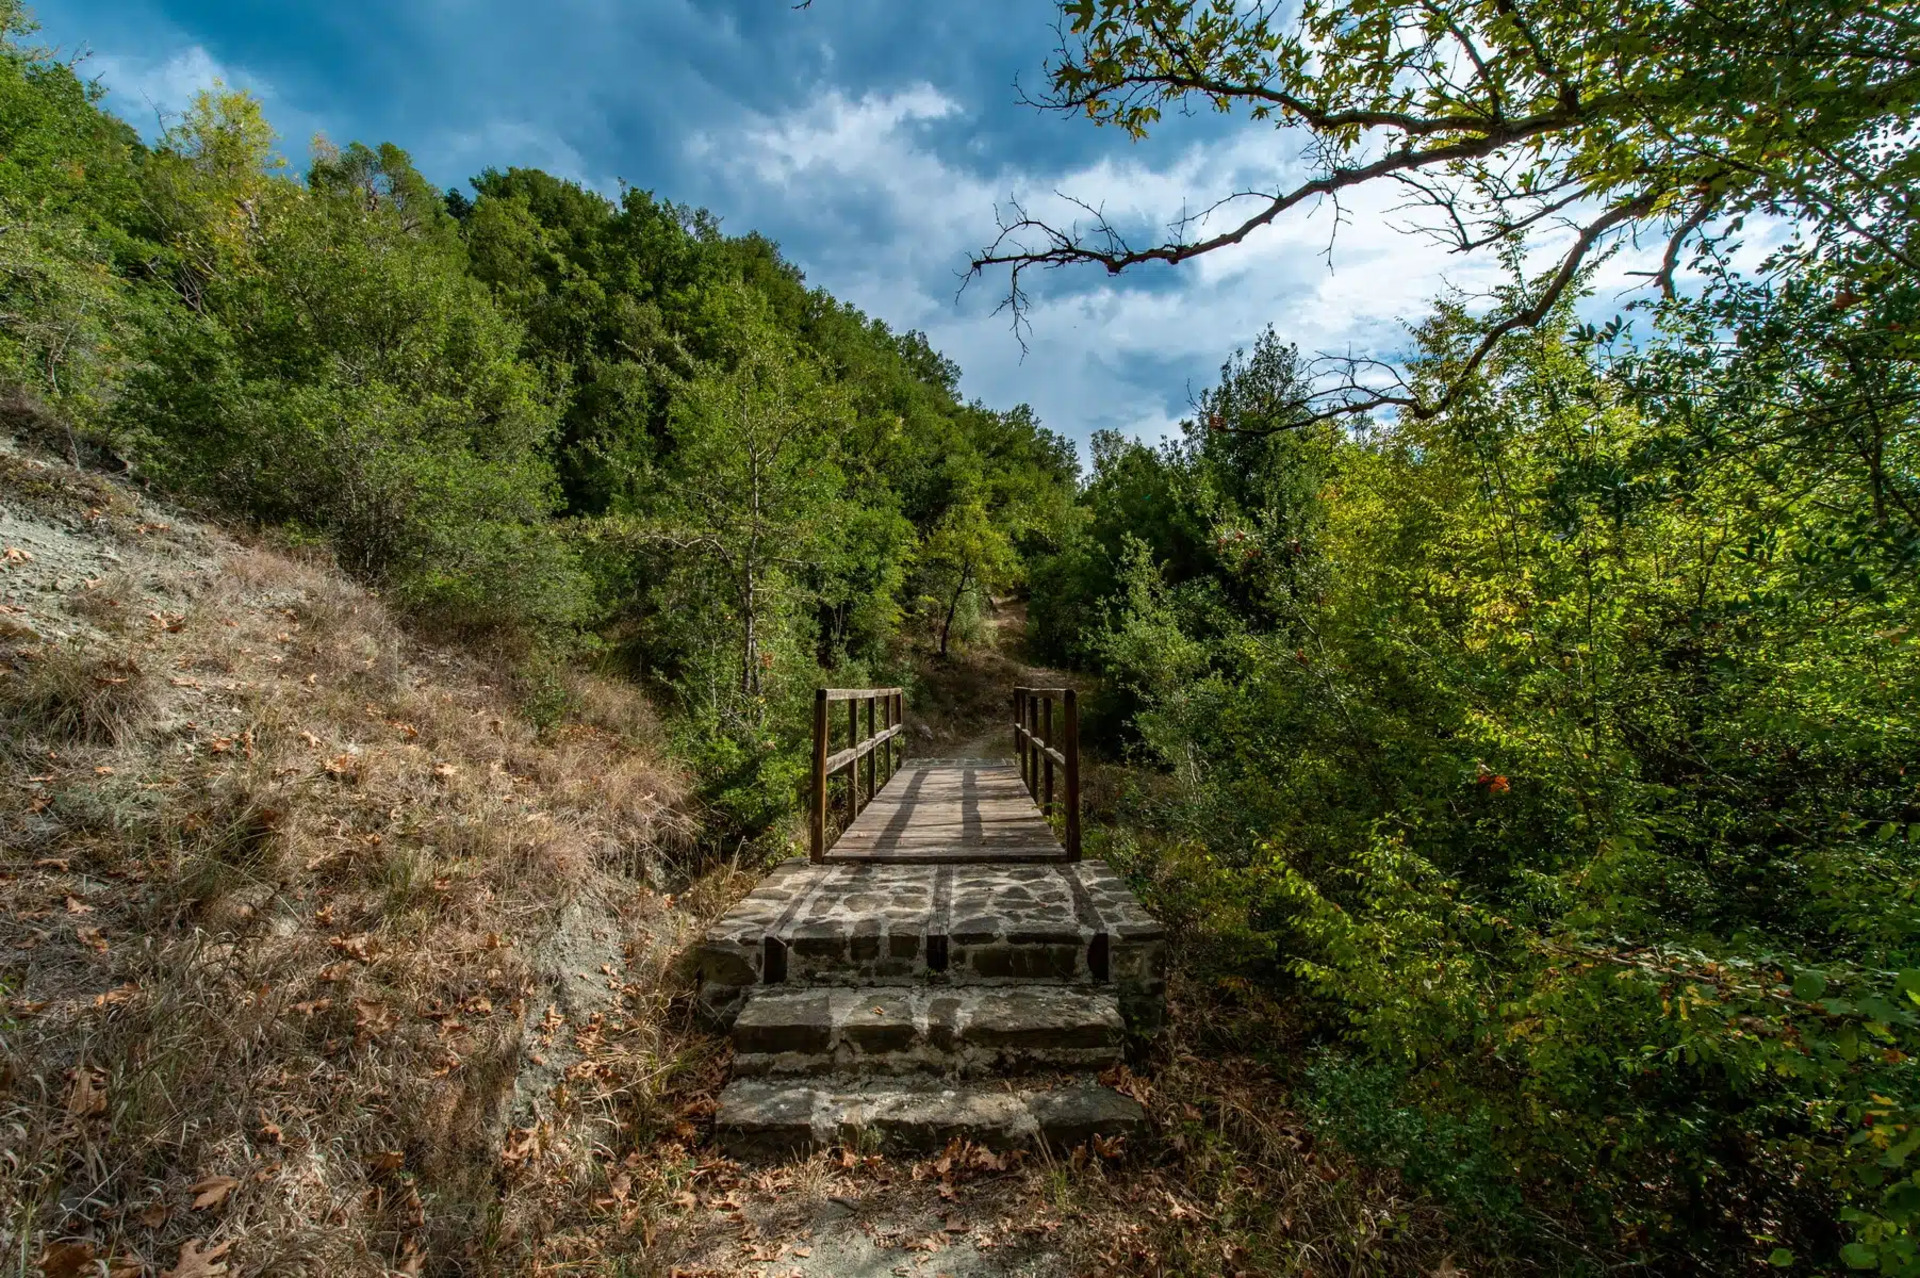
[950, 810]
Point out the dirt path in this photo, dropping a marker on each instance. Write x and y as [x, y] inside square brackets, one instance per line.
[965, 696]
[964, 1215]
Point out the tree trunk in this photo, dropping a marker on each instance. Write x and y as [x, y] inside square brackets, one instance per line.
[750, 637]
[953, 606]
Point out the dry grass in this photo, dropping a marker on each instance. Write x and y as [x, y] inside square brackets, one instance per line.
[76, 694]
[1235, 1181]
[284, 918]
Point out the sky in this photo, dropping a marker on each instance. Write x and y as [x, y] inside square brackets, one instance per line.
[874, 140]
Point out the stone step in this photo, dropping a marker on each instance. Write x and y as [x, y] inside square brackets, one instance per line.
[896, 1030]
[955, 925]
[762, 1117]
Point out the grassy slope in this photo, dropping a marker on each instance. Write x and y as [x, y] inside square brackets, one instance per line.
[310, 947]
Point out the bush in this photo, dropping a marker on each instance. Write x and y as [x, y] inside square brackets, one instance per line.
[344, 375]
[1557, 752]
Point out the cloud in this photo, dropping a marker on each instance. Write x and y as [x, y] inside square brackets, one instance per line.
[874, 141]
[504, 144]
[887, 200]
[150, 91]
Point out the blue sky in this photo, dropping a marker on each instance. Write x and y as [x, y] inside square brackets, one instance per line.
[871, 138]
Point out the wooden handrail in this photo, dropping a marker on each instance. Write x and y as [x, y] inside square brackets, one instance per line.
[1033, 744]
[835, 762]
[888, 704]
[859, 694]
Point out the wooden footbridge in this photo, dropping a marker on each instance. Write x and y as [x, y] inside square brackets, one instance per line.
[985, 811]
[943, 963]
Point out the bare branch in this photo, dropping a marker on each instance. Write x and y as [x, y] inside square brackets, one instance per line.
[1064, 248]
[1353, 396]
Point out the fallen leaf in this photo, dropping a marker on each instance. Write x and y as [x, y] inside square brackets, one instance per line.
[92, 938]
[360, 946]
[211, 1192]
[386, 1161]
[119, 994]
[76, 906]
[195, 1263]
[88, 1095]
[153, 1215]
[67, 1259]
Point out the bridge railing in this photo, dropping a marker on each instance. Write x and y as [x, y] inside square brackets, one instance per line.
[881, 747]
[1034, 747]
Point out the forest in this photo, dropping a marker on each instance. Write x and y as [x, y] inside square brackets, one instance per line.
[582, 428]
[1517, 740]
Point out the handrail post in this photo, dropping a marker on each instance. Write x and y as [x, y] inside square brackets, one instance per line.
[853, 769]
[1046, 741]
[1027, 712]
[873, 756]
[1019, 738]
[818, 850]
[1033, 739]
[1072, 751]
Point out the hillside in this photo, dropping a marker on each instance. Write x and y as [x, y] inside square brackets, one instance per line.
[302, 923]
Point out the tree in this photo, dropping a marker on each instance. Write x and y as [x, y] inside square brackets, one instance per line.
[207, 187]
[966, 556]
[68, 183]
[751, 481]
[1607, 119]
[335, 368]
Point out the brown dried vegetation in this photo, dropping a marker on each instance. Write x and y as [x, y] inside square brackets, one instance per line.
[296, 919]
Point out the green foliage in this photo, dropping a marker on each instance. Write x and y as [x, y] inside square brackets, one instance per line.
[337, 370]
[67, 183]
[1550, 746]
